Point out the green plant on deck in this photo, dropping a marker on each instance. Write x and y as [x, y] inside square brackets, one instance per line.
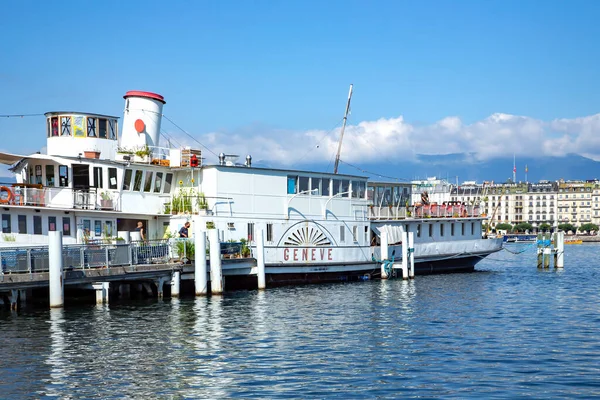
[201, 201]
[210, 225]
[245, 248]
[143, 151]
[9, 238]
[105, 195]
[185, 248]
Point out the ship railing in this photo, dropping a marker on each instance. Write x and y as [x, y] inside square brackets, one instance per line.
[424, 211]
[51, 197]
[86, 256]
[184, 249]
[187, 202]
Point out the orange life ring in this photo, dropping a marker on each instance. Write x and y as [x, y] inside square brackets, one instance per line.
[9, 195]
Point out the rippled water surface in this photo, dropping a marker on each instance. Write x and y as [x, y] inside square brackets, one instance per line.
[508, 331]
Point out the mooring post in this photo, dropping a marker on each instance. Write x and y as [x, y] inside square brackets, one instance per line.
[411, 254]
[101, 289]
[216, 273]
[560, 250]
[55, 273]
[14, 299]
[260, 260]
[405, 260]
[384, 254]
[175, 283]
[547, 250]
[200, 270]
[540, 250]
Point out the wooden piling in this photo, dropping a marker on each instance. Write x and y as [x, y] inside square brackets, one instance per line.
[540, 254]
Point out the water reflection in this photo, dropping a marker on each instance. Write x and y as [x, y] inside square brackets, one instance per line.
[56, 360]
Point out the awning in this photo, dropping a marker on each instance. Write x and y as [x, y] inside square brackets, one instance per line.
[394, 232]
[9, 159]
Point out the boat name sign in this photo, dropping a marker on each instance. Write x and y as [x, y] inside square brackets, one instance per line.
[307, 254]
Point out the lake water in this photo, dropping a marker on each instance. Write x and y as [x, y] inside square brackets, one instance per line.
[507, 331]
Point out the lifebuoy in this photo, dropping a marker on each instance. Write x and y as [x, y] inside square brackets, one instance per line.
[9, 195]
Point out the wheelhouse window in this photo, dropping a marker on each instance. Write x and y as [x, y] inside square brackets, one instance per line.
[78, 126]
[54, 126]
[303, 184]
[102, 128]
[315, 186]
[325, 187]
[168, 181]
[148, 183]
[127, 179]
[291, 184]
[112, 129]
[6, 223]
[91, 127]
[137, 182]
[50, 175]
[63, 176]
[158, 182]
[112, 178]
[345, 188]
[336, 187]
[65, 126]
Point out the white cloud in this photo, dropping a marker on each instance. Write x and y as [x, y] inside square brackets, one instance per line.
[396, 140]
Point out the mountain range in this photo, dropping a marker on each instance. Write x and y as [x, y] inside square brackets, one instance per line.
[466, 167]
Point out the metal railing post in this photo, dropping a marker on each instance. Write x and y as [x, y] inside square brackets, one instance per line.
[106, 255]
[29, 266]
[129, 254]
[82, 257]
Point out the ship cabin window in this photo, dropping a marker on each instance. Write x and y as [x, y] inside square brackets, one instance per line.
[336, 187]
[452, 229]
[473, 228]
[315, 186]
[63, 176]
[38, 175]
[325, 186]
[53, 126]
[345, 188]
[342, 234]
[250, 235]
[148, 183]
[366, 235]
[462, 229]
[269, 232]
[303, 184]
[67, 226]
[6, 223]
[102, 128]
[418, 230]
[112, 178]
[51, 224]
[137, 182]
[91, 127]
[37, 224]
[167, 185]
[158, 182]
[112, 129]
[97, 228]
[355, 233]
[108, 228]
[430, 230]
[65, 126]
[355, 189]
[127, 179]
[291, 184]
[442, 229]
[50, 175]
[22, 219]
[98, 177]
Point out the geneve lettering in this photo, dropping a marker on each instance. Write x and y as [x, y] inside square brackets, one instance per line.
[308, 254]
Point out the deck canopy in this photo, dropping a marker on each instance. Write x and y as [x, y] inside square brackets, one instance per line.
[9, 159]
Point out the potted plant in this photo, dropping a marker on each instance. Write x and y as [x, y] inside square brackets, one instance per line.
[91, 153]
[106, 202]
[143, 153]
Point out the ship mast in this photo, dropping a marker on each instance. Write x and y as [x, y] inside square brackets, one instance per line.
[337, 156]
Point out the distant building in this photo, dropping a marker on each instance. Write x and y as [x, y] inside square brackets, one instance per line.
[438, 190]
[575, 199]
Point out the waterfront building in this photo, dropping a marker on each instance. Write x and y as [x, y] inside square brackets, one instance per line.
[575, 199]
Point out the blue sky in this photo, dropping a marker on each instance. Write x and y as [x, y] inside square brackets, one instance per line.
[275, 74]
